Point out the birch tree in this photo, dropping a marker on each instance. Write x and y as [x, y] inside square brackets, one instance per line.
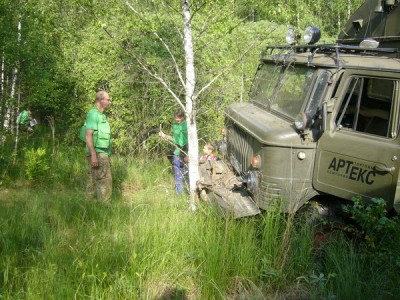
[188, 78]
[190, 102]
[14, 80]
[189, 83]
[9, 66]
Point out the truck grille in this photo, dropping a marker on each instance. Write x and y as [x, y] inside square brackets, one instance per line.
[240, 150]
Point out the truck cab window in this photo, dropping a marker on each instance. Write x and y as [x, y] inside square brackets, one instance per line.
[286, 90]
[264, 83]
[367, 106]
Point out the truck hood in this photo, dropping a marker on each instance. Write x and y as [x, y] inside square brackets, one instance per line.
[266, 127]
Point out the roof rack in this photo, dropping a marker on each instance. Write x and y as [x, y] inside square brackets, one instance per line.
[285, 51]
[323, 48]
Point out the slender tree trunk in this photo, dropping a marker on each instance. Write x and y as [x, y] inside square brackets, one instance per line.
[52, 124]
[2, 97]
[2, 77]
[12, 94]
[190, 83]
[8, 120]
[348, 8]
[9, 103]
[16, 132]
[10, 107]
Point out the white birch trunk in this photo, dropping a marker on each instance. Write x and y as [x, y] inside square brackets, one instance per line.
[3, 103]
[348, 9]
[9, 113]
[13, 88]
[9, 107]
[190, 83]
[2, 94]
[2, 80]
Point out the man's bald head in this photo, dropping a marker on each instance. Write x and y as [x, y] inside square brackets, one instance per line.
[103, 100]
[101, 95]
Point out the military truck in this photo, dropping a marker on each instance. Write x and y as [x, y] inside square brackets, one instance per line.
[321, 123]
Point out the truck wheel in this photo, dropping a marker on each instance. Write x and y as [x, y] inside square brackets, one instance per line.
[324, 219]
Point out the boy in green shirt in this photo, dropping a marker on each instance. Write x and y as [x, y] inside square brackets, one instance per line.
[180, 139]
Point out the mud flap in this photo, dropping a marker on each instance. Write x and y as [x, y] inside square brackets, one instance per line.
[237, 204]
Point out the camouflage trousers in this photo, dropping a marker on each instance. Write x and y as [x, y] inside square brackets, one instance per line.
[26, 128]
[99, 180]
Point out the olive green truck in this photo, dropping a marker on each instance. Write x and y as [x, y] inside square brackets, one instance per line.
[321, 123]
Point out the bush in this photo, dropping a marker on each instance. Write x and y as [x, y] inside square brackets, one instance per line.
[379, 234]
[36, 165]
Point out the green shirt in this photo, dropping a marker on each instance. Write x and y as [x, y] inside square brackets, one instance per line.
[179, 136]
[97, 121]
[23, 117]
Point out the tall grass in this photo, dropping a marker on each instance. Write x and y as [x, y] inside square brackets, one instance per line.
[147, 244]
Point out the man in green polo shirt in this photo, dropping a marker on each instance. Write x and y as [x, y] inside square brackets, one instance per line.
[23, 120]
[98, 149]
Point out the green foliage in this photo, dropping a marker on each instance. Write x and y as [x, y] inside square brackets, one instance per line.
[321, 284]
[73, 49]
[379, 233]
[328, 15]
[341, 272]
[374, 225]
[37, 165]
[69, 167]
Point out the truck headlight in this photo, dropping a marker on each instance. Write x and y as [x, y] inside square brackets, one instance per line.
[251, 181]
[312, 34]
[369, 43]
[292, 36]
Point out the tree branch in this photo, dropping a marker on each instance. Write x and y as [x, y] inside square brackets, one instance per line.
[178, 71]
[150, 72]
[224, 71]
[170, 7]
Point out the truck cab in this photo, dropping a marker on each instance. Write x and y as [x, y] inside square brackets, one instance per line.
[322, 121]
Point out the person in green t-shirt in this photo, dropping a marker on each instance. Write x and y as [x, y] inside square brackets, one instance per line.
[24, 118]
[180, 139]
[98, 149]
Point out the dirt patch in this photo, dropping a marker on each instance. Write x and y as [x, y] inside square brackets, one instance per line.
[6, 198]
[130, 188]
[169, 291]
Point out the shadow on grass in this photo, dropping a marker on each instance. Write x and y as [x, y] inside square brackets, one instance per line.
[173, 293]
[119, 169]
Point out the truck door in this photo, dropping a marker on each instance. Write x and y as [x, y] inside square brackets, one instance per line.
[359, 154]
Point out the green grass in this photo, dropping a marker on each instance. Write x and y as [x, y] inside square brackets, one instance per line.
[147, 244]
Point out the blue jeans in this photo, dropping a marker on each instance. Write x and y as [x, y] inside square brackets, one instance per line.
[178, 174]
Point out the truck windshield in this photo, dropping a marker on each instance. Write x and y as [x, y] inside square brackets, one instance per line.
[282, 88]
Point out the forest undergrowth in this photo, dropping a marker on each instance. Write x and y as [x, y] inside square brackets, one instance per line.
[147, 244]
